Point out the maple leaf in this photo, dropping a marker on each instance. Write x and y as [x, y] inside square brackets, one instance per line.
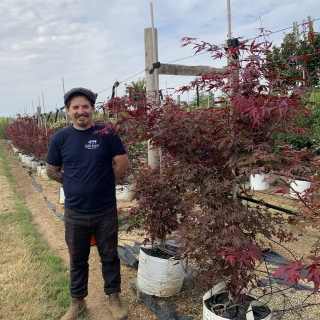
[314, 273]
[290, 271]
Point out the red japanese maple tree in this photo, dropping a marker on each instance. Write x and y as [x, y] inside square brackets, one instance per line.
[207, 152]
[29, 138]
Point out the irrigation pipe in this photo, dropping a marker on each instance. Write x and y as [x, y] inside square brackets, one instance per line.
[268, 205]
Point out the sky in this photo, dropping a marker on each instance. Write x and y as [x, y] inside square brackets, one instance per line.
[51, 46]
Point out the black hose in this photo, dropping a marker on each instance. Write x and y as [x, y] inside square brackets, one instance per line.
[268, 205]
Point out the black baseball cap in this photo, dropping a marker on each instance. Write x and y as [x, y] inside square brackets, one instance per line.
[92, 97]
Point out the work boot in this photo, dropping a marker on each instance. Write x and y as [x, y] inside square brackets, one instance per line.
[119, 312]
[77, 308]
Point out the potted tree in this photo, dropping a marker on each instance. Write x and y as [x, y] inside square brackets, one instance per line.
[161, 268]
[207, 153]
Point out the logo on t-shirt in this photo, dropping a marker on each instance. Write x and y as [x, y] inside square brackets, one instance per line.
[92, 144]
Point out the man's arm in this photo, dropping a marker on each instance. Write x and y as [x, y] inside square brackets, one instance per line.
[120, 166]
[55, 173]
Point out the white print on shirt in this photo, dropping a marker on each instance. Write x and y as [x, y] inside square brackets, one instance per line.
[92, 144]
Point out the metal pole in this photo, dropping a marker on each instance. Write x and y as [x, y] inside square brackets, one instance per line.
[229, 19]
[44, 110]
[116, 88]
[234, 189]
[63, 87]
[154, 53]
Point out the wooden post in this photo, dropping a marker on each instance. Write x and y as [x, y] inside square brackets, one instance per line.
[152, 80]
[151, 89]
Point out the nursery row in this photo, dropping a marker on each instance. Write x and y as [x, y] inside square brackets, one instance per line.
[204, 158]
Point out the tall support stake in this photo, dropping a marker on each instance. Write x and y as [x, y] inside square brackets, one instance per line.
[229, 19]
[64, 91]
[155, 54]
[44, 110]
[65, 113]
[151, 89]
[232, 42]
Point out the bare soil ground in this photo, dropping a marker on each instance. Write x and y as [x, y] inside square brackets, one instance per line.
[50, 226]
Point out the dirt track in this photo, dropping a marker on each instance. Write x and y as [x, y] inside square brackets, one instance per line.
[52, 229]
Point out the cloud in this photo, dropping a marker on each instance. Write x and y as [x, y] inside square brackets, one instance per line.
[94, 43]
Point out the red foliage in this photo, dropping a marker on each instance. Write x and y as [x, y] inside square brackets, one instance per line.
[29, 138]
[290, 271]
[206, 152]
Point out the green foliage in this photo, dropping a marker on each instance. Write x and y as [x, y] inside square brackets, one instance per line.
[309, 139]
[4, 122]
[315, 119]
[206, 99]
[98, 115]
[137, 88]
[302, 43]
[138, 85]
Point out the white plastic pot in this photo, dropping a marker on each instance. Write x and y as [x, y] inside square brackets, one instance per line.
[28, 160]
[34, 164]
[39, 168]
[257, 182]
[124, 192]
[160, 277]
[61, 196]
[23, 158]
[299, 186]
[219, 288]
[43, 173]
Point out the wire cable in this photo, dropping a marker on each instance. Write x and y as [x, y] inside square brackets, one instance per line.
[192, 56]
[303, 23]
[123, 80]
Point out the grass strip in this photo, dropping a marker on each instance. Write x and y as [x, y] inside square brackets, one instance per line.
[33, 281]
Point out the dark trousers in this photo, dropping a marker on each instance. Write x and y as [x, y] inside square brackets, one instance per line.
[78, 230]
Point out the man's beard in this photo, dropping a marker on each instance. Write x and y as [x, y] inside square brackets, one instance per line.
[82, 124]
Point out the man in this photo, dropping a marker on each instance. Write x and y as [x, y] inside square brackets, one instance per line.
[91, 164]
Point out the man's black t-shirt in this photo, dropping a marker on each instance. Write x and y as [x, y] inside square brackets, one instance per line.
[86, 156]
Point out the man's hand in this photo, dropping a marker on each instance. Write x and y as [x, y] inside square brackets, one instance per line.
[120, 166]
[55, 173]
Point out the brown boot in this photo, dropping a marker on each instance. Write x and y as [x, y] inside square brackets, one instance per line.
[119, 312]
[77, 307]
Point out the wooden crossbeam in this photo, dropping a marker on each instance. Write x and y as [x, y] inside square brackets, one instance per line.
[181, 70]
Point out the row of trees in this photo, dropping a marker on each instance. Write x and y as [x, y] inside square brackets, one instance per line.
[26, 135]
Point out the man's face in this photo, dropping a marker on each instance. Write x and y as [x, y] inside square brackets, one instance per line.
[80, 111]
